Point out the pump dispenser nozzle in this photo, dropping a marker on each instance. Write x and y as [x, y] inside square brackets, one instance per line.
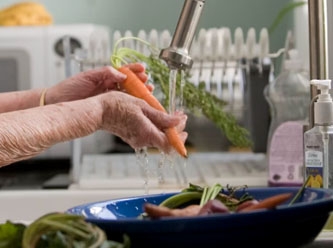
[323, 85]
[323, 107]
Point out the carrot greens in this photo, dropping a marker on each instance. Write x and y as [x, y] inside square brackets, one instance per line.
[59, 230]
[210, 193]
[300, 191]
[202, 195]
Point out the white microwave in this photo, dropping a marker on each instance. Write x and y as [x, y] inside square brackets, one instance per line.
[32, 57]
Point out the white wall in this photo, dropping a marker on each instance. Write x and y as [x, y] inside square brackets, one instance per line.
[163, 14]
[301, 32]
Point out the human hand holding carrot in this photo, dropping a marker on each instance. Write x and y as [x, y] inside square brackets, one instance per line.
[96, 81]
[93, 82]
[137, 123]
[133, 86]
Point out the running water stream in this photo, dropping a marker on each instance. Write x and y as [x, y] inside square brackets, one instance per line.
[142, 156]
[173, 104]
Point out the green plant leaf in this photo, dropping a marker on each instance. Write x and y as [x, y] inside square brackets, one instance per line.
[283, 12]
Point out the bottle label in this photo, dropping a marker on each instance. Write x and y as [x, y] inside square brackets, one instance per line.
[314, 159]
[286, 155]
[314, 165]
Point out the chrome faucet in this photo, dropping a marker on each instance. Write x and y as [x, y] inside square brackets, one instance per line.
[177, 54]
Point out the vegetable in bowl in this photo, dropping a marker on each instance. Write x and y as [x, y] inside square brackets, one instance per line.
[202, 201]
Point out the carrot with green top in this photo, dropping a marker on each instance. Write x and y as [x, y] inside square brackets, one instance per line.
[134, 86]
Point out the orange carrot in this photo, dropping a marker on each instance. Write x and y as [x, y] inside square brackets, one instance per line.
[135, 87]
[268, 203]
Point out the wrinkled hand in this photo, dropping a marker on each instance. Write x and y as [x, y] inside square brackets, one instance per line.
[91, 83]
[137, 123]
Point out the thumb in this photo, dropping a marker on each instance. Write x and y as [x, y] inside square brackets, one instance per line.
[116, 75]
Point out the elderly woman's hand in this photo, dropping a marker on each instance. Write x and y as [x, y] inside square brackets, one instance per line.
[137, 123]
[91, 83]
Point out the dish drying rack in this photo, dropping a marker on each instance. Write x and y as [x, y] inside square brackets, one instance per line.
[235, 70]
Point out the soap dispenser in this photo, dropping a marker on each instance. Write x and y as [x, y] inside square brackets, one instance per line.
[318, 141]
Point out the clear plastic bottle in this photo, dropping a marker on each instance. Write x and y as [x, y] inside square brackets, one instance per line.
[318, 141]
[289, 99]
[288, 95]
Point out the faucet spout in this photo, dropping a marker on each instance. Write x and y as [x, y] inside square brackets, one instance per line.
[177, 54]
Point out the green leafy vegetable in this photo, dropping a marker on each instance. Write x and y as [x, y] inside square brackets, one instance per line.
[180, 199]
[196, 100]
[11, 235]
[195, 193]
[210, 193]
[57, 230]
[300, 191]
[74, 228]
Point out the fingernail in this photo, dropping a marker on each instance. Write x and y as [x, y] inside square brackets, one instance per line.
[122, 76]
[117, 74]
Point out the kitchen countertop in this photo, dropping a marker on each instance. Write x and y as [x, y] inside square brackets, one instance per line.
[35, 203]
[31, 184]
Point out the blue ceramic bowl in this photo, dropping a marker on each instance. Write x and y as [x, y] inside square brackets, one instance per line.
[285, 226]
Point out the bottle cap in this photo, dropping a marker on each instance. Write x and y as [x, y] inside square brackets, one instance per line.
[294, 61]
[323, 107]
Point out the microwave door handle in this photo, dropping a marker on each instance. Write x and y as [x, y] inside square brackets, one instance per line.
[67, 55]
